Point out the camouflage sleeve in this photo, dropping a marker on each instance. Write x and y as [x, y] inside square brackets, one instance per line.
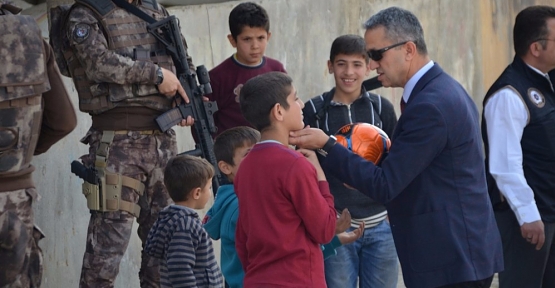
[59, 117]
[101, 64]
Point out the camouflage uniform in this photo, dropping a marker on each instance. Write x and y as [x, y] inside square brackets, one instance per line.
[35, 112]
[141, 157]
[117, 88]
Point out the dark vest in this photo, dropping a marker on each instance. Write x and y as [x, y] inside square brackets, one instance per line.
[23, 79]
[538, 139]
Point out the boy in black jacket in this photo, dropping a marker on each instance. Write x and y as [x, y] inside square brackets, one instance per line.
[372, 258]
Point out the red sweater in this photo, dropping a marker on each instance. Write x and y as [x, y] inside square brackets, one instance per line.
[284, 214]
[226, 80]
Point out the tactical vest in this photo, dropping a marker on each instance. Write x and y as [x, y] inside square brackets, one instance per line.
[23, 79]
[127, 35]
[538, 138]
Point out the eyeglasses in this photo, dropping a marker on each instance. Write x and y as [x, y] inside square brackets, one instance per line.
[545, 39]
[377, 55]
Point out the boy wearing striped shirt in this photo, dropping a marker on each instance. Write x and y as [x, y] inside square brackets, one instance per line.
[178, 239]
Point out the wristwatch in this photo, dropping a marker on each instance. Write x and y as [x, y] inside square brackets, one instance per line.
[327, 147]
[159, 75]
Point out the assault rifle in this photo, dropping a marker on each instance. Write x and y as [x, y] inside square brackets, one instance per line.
[200, 110]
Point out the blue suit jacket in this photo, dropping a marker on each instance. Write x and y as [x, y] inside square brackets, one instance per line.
[433, 185]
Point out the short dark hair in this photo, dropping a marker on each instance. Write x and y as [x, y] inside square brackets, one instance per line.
[348, 45]
[247, 14]
[260, 94]
[232, 139]
[531, 26]
[400, 25]
[184, 173]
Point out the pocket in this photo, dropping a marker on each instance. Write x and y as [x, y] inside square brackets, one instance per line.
[13, 246]
[429, 242]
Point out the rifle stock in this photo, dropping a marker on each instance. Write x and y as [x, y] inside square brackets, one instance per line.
[201, 111]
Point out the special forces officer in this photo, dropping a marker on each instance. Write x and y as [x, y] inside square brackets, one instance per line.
[124, 79]
[35, 112]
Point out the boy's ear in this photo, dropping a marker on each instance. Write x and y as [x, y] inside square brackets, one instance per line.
[330, 67]
[277, 112]
[224, 167]
[368, 68]
[269, 35]
[196, 193]
[232, 40]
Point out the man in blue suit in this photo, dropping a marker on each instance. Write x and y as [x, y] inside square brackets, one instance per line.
[433, 181]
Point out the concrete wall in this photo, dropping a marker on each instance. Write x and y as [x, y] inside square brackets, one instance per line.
[470, 39]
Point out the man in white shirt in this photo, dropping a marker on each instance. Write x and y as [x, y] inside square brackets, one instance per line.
[518, 129]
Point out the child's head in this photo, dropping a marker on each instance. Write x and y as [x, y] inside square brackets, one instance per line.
[250, 31]
[349, 63]
[188, 180]
[269, 100]
[232, 146]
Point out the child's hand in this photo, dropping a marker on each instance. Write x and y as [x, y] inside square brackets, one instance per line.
[343, 222]
[311, 156]
[350, 237]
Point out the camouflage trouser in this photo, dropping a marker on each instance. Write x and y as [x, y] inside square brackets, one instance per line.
[142, 157]
[20, 255]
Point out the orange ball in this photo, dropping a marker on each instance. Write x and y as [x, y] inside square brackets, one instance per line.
[366, 140]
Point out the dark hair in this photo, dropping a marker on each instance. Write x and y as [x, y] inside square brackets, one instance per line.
[400, 25]
[348, 45]
[184, 173]
[232, 139]
[531, 26]
[247, 14]
[260, 94]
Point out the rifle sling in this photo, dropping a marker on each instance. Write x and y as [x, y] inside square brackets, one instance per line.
[134, 10]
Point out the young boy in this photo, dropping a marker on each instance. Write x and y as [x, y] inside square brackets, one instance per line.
[370, 261]
[250, 32]
[177, 238]
[286, 209]
[220, 221]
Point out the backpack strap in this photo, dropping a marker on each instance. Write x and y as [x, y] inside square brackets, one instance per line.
[318, 106]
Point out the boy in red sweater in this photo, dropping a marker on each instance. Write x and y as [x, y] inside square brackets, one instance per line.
[285, 207]
[249, 27]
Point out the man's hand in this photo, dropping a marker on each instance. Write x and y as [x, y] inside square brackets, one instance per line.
[308, 138]
[170, 86]
[352, 236]
[187, 122]
[533, 233]
[343, 222]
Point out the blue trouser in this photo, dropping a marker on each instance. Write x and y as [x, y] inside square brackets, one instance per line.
[372, 259]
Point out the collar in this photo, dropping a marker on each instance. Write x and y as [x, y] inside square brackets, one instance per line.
[544, 75]
[269, 141]
[414, 79]
[262, 60]
[363, 94]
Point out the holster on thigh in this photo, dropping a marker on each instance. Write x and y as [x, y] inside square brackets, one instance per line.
[105, 196]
